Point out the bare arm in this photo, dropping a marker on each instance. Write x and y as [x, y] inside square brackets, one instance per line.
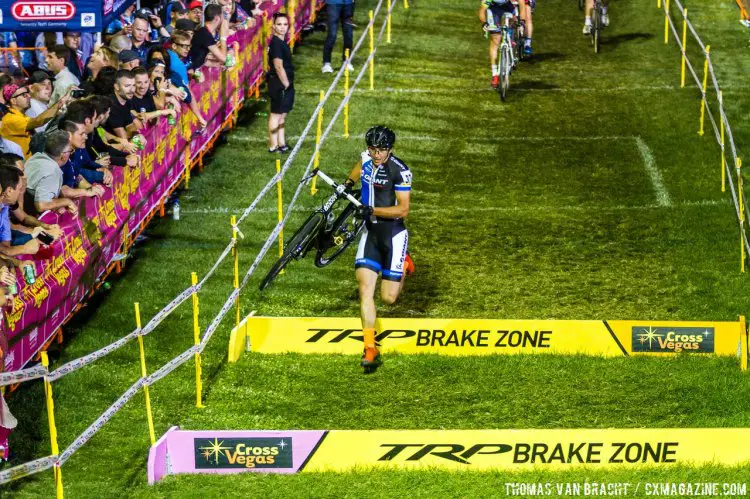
[483, 13]
[401, 210]
[56, 204]
[278, 64]
[355, 174]
[71, 193]
[44, 117]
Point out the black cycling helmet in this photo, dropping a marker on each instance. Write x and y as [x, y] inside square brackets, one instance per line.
[380, 137]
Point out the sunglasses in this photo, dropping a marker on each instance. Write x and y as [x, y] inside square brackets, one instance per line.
[25, 92]
[183, 45]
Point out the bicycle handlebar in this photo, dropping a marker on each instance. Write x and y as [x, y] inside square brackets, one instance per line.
[339, 188]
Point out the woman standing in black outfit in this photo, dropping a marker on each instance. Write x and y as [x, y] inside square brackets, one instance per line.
[280, 83]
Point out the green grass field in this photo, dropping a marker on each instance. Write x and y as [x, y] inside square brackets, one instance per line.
[588, 195]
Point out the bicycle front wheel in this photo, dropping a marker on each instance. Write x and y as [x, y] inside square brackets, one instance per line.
[505, 63]
[345, 229]
[296, 246]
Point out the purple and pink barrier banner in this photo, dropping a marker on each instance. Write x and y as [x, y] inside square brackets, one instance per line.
[98, 235]
[223, 452]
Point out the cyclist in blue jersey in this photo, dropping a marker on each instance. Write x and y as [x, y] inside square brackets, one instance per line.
[491, 14]
[386, 187]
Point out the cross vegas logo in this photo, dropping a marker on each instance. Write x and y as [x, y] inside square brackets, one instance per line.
[35, 10]
[256, 453]
[673, 339]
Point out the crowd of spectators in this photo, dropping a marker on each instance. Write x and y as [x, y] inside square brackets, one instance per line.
[72, 106]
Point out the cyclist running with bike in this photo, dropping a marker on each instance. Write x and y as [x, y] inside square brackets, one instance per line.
[386, 186]
[491, 14]
[589, 9]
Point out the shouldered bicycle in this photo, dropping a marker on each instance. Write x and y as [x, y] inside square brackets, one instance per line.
[328, 230]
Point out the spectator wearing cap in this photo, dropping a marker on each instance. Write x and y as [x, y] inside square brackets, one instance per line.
[178, 58]
[204, 41]
[15, 125]
[128, 60]
[57, 60]
[45, 177]
[72, 40]
[196, 11]
[186, 26]
[178, 11]
[40, 86]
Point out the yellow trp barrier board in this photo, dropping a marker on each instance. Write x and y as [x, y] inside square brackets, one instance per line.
[517, 450]
[490, 336]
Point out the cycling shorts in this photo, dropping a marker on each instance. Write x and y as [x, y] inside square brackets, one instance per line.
[382, 249]
[495, 16]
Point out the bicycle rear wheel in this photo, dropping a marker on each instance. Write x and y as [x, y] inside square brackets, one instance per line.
[505, 62]
[296, 246]
[518, 36]
[596, 27]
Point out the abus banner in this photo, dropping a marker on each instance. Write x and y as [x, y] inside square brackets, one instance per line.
[58, 15]
[508, 450]
[487, 337]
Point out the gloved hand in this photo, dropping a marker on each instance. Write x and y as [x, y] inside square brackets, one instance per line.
[364, 211]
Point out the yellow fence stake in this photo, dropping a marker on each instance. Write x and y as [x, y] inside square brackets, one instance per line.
[52, 427]
[658, 4]
[197, 341]
[281, 211]
[236, 282]
[406, 4]
[372, 49]
[723, 158]
[705, 83]
[318, 134]
[264, 40]
[388, 28]
[666, 22]
[740, 191]
[684, 47]
[743, 344]
[187, 166]
[313, 11]
[149, 415]
[346, 93]
[292, 11]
